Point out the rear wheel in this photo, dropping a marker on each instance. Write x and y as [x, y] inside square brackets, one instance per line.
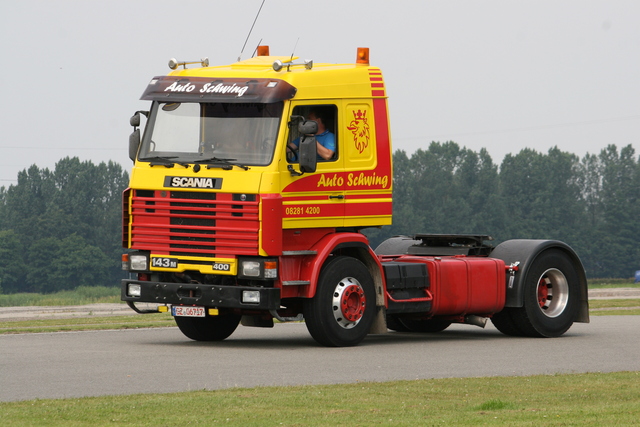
[210, 328]
[551, 297]
[394, 323]
[503, 321]
[342, 311]
[425, 325]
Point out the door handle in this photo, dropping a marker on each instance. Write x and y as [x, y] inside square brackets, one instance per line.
[341, 196]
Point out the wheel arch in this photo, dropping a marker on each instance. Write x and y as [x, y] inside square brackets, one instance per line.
[526, 251]
[354, 245]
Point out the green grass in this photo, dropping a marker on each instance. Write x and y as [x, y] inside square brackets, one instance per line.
[79, 296]
[86, 323]
[594, 399]
[607, 307]
[612, 283]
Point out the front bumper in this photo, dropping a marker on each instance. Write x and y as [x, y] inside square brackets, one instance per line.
[199, 294]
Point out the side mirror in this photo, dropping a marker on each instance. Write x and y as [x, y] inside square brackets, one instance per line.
[307, 153]
[135, 119]
[134, 143]
[134, 138]
[308, 127]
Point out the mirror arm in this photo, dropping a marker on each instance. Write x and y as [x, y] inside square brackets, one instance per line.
[294, 172]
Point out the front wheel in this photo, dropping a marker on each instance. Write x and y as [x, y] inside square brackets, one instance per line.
[342, 311]
[210, 328]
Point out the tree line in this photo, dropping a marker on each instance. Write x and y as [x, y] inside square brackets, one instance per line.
[591, 203]
[61, 229]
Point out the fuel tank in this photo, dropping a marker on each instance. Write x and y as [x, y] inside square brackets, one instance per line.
[463, 285]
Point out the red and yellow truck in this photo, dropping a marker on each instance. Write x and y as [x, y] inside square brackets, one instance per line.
[231, 216]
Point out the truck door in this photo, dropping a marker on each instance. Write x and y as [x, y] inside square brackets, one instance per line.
[314, 200]
[366, 152]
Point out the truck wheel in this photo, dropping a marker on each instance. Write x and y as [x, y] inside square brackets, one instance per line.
[425, 325]
[394, 323]
[210, 328]
[503, 321]
[342, 311]
[551, 296]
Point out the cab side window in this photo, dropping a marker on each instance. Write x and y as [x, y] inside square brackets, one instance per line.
[326, 137]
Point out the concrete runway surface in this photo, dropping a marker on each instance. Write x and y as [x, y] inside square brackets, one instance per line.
[95, 363]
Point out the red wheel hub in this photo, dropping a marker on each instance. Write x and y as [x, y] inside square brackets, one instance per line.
[352, 303]
[543, 293]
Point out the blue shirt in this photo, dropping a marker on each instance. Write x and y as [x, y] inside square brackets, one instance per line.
[326, 139]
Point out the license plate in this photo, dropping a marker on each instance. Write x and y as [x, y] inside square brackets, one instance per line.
[184, 311]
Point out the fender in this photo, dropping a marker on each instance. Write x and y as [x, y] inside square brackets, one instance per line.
[525, 251]
[352, 244]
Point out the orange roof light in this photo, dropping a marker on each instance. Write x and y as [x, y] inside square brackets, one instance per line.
[363, 56]
[263, 50]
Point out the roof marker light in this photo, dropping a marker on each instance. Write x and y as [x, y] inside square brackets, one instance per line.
[363, 56]
[263, 50]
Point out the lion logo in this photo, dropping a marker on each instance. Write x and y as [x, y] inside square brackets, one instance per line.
[359, 126]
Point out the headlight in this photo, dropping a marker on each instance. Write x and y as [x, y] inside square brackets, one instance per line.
[251, 268]
[138, 262]
[251, 297]
[134, 290]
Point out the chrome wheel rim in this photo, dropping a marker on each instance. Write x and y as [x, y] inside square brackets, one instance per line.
[552, 292]
[348, 303]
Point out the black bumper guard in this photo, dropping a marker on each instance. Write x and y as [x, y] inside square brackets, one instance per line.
[199, 294]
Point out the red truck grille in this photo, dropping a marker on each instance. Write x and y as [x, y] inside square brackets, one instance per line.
[189, 223]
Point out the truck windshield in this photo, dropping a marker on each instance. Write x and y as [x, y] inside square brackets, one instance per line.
[243, 133]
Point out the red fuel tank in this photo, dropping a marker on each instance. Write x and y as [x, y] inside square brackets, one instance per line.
[463, 285]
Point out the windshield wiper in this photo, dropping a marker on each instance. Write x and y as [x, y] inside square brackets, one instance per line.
[228, 163]
[163, 161]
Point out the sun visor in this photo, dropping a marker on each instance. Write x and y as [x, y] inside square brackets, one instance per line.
[202, 89]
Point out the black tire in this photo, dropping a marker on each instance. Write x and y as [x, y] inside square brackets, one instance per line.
[342, 311]
[503, 321]
[551, 296]
[425, 325]
[394, 323]
[210, 328]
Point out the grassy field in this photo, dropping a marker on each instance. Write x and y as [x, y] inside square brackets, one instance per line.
[89, 323]
[612, 283]
[594, 399]
[79, 296]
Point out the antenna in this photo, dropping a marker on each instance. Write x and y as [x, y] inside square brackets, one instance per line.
[248, 35]
[256, 49]
[294, 49]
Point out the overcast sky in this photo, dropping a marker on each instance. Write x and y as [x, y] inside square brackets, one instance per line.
[497, 74]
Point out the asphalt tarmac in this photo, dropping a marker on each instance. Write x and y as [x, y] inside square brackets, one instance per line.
[96, 363]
